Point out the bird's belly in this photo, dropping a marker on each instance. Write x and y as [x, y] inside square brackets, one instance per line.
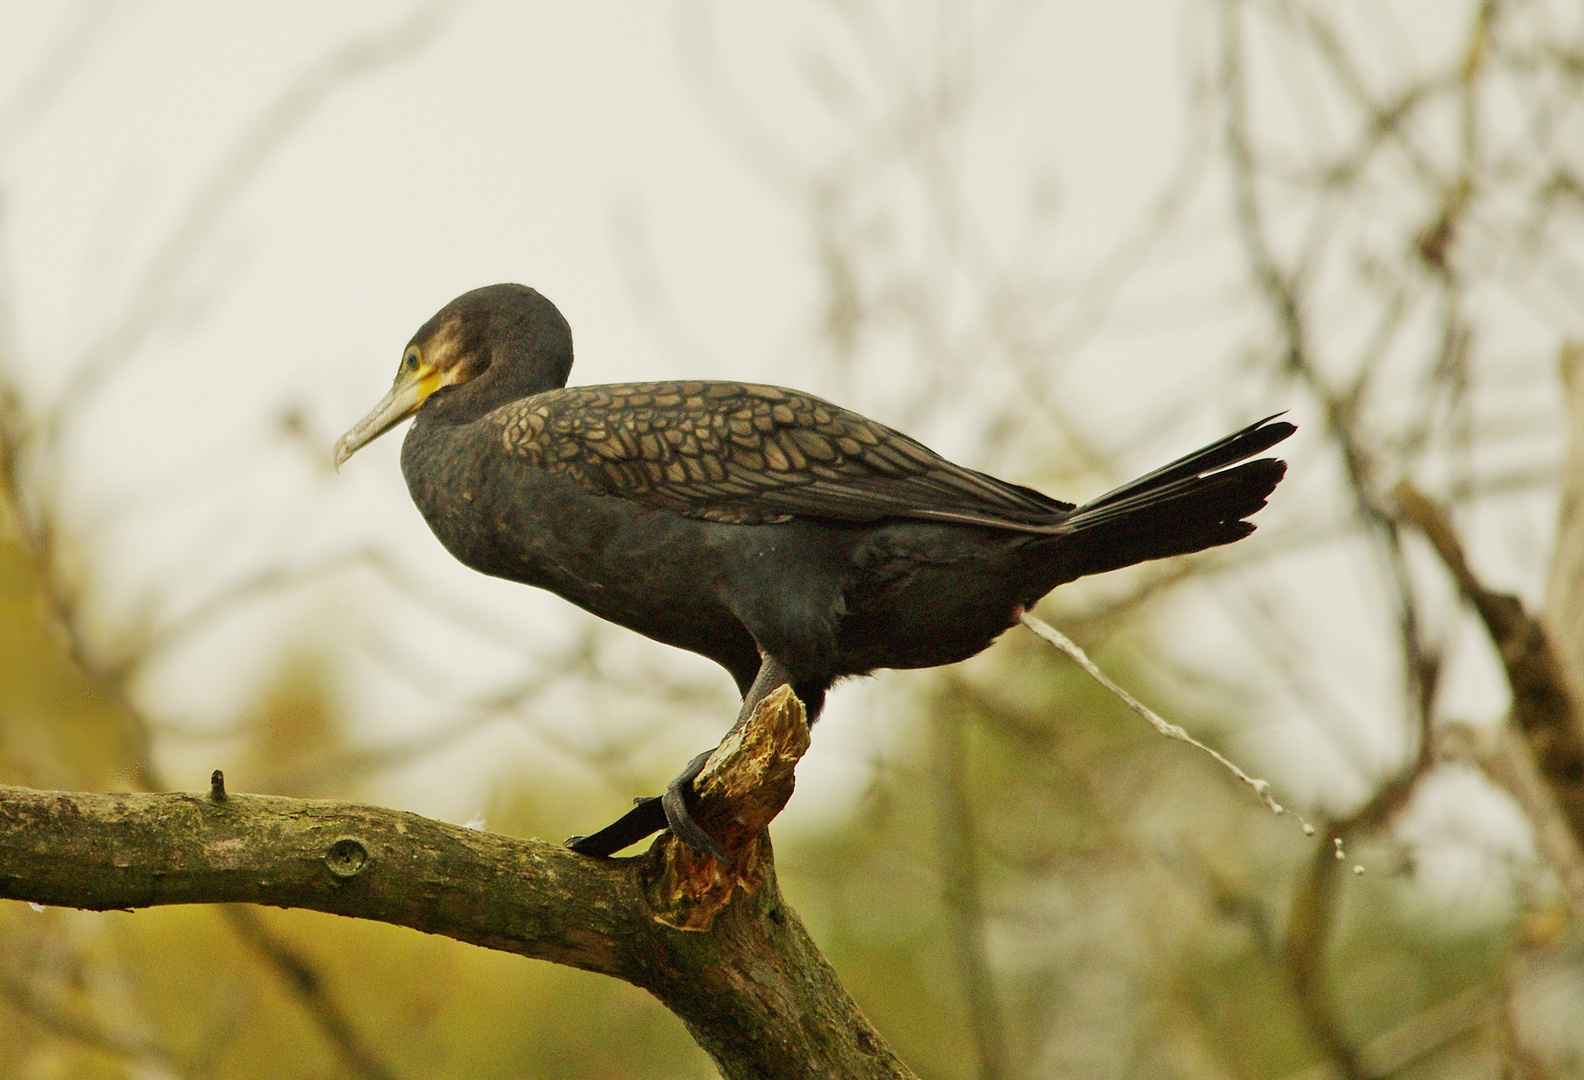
[929, 595]
[826, 598]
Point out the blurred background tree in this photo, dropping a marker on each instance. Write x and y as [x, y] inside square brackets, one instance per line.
[1060, 244]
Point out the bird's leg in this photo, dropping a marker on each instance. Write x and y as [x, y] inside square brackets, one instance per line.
[671, 809]
[772, 673]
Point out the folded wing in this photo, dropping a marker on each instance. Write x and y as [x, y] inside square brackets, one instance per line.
[749, 454]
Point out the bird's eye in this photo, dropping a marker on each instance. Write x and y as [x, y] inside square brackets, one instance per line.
[410, 362]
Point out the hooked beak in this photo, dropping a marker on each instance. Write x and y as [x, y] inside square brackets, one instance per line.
[412, 389]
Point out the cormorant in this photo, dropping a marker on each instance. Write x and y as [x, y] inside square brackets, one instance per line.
[785, 538]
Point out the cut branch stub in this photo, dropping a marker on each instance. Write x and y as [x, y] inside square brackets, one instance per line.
[744, 785]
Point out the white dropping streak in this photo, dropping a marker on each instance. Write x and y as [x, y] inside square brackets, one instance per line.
[1170, 730]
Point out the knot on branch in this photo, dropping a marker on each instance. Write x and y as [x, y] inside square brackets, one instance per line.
[347, 857]
[743, 786]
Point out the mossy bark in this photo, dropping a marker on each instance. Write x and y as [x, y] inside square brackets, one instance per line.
[716, 945]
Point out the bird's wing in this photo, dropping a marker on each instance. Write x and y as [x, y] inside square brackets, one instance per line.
[749, 454]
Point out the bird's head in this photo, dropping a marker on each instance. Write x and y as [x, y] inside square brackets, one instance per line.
[483, 349]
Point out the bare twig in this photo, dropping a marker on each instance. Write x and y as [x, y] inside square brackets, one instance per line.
[1564, 601]
[1506, 760]
[54, 72]
[54, 1017]
[27, 443]
[305, 984]
[1388, 1054]
[1543, 709]
[153, 294]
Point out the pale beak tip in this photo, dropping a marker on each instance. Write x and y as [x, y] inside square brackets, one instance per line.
[402, 401]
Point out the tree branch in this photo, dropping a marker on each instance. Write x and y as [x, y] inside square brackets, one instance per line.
[716, 945]
[1564, 600]
[1543, 709]
[1506, 761]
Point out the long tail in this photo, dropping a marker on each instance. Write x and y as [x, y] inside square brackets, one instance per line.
[1194, 503]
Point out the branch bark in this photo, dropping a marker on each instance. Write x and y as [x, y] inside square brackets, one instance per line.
[715, 944]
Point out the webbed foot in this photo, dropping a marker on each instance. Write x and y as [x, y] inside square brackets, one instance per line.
[649, 816]
[677, 812]
[645, 818]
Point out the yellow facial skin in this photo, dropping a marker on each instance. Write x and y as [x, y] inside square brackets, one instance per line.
[414, 383]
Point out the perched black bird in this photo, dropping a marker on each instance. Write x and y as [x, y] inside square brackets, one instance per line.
[783, 537]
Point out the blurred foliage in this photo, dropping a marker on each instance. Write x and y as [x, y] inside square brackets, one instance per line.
[1119, 875]
[1132, 893]
[173, 991]
[58, 728]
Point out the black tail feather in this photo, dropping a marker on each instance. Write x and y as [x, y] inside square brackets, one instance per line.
[1258, 436]
[1196, 502]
